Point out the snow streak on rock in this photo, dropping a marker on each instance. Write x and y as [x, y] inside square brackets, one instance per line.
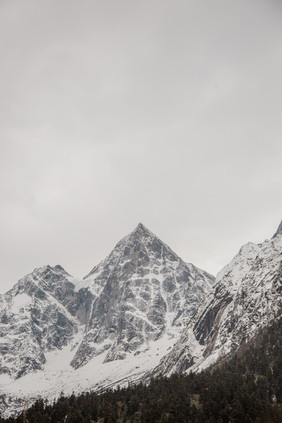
[142, 290]
[34, 319]
[246, 297]
[141, 311]
[113, 326]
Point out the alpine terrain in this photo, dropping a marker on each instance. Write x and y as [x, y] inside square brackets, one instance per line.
[58, 333]
[246, 299]
[141, 312]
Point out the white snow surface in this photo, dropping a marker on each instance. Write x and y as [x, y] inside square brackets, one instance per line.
[58, 375]
[245, 299]
[125, 318]
[59, 333]
[20, 301]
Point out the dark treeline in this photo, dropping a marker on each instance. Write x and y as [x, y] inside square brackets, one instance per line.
[245, 389]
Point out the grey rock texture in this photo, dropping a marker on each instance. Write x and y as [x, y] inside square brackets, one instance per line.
[279, 230]
[246, 298]
[34, 319]
[139, 303]
[141, 291]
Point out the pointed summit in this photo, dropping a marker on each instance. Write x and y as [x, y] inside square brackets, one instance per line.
[139, 247]
[140, 292]
[141, 227]
[279, 230]
[142, 242]
[141, 230]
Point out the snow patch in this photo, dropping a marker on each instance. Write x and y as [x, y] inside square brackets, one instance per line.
[20, 301]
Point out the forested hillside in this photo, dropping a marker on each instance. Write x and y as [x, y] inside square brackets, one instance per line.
[246, 388]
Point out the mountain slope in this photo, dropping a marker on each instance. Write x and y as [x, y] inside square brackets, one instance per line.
[246, 298]
[246, 388]
[279, 230]
[141, 291]
[58, 333]
[34, 320]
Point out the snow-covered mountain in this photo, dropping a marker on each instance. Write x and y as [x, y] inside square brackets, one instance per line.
[58, 333]
[246, 298]
[34, 320]
[142, 290]
[141, 311]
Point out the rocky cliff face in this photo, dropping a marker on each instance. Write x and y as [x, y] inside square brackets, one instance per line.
[129, 309]
[246, 297]
[34, 319]
[279, 230]
[122, 319]
[140, 291]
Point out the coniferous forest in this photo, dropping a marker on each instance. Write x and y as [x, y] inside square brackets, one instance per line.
[246, 388]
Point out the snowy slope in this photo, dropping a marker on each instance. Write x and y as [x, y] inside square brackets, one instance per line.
[246, 297]
[34, 320]
[58, 333]
[142, 290]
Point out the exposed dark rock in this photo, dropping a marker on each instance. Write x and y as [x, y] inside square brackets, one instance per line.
[134, 289]
[279, 230]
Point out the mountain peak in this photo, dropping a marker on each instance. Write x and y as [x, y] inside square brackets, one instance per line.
[59, 267]
[279, 230]
[141, 230]
[48, 268]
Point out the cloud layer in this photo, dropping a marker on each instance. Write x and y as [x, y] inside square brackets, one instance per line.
[113, 113]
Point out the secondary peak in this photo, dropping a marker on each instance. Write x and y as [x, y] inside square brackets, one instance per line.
[140, 226]
[279, 230]
[141, 229]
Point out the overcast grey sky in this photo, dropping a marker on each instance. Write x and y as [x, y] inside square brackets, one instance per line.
[113, 113]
